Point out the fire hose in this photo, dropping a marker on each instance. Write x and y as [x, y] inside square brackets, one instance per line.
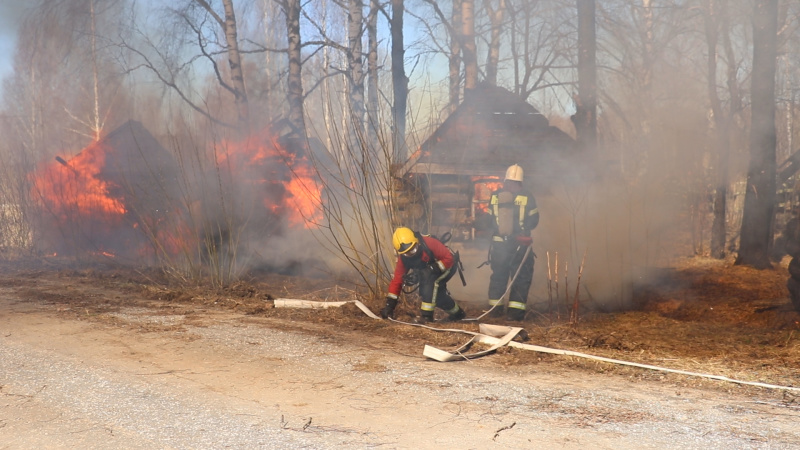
[497, 336]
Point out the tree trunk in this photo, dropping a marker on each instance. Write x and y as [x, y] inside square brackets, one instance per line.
[734, 108]
[399, 84]
[455, 56]
[372, 71]
[355, 19]
[585, 118]
[712, 29]
[228, 25]
[294, 79]
[468, 47]
[235, 64]
[647, 82]
[326, 97]
[759, 200]
[97, 126]
[493, 53]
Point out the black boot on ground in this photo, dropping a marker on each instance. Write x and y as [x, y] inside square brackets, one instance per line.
[455, 317]
[424, 318]
[497, 311]
[516, 315]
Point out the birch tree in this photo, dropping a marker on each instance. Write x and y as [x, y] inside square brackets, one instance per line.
[496, 14]
[456, 32]
[372, 73]
[399, 83]
[227, 23]
[586, 115]
[294, 94]
[214, 32]
[355, 65]
[469, 49]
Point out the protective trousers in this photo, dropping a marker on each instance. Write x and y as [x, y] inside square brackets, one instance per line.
[506, 257]
[433, 291]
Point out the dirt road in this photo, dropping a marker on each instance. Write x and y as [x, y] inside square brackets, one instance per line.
[163, 376]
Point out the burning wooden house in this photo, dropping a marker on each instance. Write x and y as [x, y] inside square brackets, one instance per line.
[447, 182]
[113, 198]
[125, 196]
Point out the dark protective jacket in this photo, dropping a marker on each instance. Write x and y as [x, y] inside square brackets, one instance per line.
[441, 254]
[524, 213]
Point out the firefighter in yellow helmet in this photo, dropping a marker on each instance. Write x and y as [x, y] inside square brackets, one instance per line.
[514, 214]
[434, 265]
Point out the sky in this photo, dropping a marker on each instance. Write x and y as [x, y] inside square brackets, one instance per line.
[10, 15]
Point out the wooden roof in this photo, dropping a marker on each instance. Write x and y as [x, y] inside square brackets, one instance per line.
[143, 172]
[491, 130]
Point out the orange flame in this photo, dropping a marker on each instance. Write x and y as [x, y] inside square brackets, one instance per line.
[272, 166]
[79, 196]
[484, 186]
[306, 195]
[74, 187]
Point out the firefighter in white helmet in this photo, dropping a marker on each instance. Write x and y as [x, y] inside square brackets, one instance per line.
[514, 214]
[433, 263]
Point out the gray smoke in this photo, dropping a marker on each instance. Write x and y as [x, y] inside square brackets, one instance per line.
[11, 13]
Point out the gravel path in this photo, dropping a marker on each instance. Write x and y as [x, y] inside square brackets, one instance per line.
[231, 381]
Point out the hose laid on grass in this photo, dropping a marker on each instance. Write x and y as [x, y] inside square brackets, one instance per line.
[497, 336]
[488, 335]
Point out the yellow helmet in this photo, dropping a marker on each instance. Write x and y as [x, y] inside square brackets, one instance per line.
[404, 240]
[514, 173]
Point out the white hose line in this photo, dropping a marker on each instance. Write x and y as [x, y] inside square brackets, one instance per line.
[310, 304]
[488, 335]
[493, 340]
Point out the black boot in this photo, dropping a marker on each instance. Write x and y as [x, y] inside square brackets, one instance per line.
[458, 315]
[516, 314]
[425, 317]
[497, 311]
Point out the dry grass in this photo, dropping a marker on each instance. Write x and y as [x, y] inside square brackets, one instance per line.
[704, 316]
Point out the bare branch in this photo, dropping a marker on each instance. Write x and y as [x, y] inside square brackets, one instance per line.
[169, 82]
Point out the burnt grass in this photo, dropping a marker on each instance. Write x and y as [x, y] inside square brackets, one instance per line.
[706, 316]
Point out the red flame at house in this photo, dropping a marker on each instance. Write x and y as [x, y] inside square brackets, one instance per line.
[84, 210]
[74, 188]
[287, 179]
[76, 206]
[113, 198]
[484, 186]
[121, 195]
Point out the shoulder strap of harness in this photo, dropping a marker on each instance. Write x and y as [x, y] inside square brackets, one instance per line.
[458, 266]
[424, 247]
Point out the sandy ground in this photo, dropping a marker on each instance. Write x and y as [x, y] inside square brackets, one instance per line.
[160, 375]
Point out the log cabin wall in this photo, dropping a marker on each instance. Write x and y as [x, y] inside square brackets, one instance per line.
[464, 160]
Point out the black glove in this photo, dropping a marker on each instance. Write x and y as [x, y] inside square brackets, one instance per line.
[388, 310]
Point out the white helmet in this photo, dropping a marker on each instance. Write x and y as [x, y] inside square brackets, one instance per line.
[514, 173]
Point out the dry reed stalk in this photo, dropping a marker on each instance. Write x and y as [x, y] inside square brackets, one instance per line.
[576, 300]
[566, 285]
[549, 284]
[558, 308]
